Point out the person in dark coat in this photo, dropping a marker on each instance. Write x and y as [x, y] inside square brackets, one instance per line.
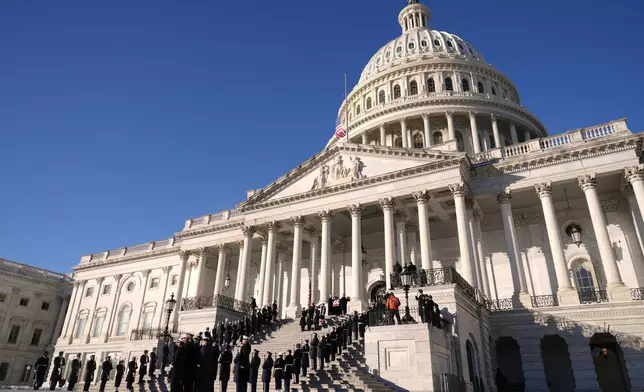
[222, 333]
[253, 303]
[267, 368]
[278, 373]
[297, 362]
[305, 358]
[205, 380]
[242, 370]
[215, 360]
[355, 320]
[106, 369]
[90, 367]
[302, 322]
[59, 363]
[179, 369]
[192, 360]
[131, 374]
[333, 341]
[288, 370]
[349, 330]
[120, 370]
[166, 358]
[343, 304]
[322, 352]
[314, 351]
[40, 368]
[254, 370]
[153, 362]
[74, 372]
[143, 365]
[229, 334]
[339, 336]
[225, 359]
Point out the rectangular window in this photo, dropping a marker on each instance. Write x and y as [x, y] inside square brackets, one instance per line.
[98, 326]
[89, 292]
[44, 306]
[106, 289]
[3, 297]
[35, 339]
[154, 283]
[24, 301]
[80, 327]
[147, 319]
[4, 370]
[13, 335]
[174, 280]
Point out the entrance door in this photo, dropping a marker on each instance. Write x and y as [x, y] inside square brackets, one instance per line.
[378, 292]
[610, 367]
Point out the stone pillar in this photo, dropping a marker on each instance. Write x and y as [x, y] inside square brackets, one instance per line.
[458, 192]
[315, 246]
[451, 133]
[56, 331]
[469, 206]
[110, 319]
[296, 273]
[73, 318]
[638, 228]
[166, 272]
[520, 296]
[635, 176]
[273, 228]
[526, 135]
[475, 133]
[202, 259]
[240, 262]
[357, 302]
[567, 295]
[513, 133]
[388, 204]
[495, 131]
[325, 254]
[403, 132]
[279, 281]
[400, 217]
[224, 251]
[71, 311]
[146, 274]
[422, 197]
[427, 131]
[91, 315]
[364, 138]
[383, 135]
[412, 242]
[248, 231]
[262, 272]
[480, 250]
[182, 275]
[615, 286]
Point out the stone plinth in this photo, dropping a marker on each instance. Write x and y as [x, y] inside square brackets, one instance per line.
[195, 321]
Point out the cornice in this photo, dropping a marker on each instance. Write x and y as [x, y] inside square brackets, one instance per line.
[35, 279]
[209, 229]
[139, 256]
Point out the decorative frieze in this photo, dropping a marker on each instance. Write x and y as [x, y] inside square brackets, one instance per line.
[526, 218]
[338, 173]
[609, 205]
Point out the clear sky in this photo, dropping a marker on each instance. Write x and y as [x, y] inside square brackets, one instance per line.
[121, 119]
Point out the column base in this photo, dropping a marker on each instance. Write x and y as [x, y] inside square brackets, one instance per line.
[356, 305]
[618, 293]
[567, 297]
[292, 311]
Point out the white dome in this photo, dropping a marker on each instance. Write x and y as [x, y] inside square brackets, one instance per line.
[418, 44]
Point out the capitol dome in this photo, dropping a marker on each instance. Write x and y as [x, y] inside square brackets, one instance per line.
[431, 89]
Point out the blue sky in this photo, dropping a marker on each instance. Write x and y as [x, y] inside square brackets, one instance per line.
[121, 119]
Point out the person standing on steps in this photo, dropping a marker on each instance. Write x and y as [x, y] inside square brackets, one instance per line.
[131, 374]
[305, 358]
[59, 363]
[254, 371]
[333, 340]
[267, 368]
[242, 369]
[40, 368]
[343, 304]
[278, 373]
[120, 370]
[106, 368]
[143, 366]
[349, 324]
[314, 351]
[355, 320]
[165, 358]
[225, 360]
[153, 362]
[297, 362]
[321, 351]
[205, 379]
[215, 360]
[73, 375]
[302, 321]
[288, 370]
[179, 360]
[89, 373]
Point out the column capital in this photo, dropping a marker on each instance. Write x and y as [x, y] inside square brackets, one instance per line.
[410, 226]
[543, 189]
[634, 173]
[325, 215]
[403, 121]
[146, 272]
[200, 251]
[240, 243]
[383, 126]
[248, 231]
[282, 248]
[588, 181]
[469, 203]
[472, 114]
[312, 231]
[338, 246]
[400, 215]
[504, 197]
[184, 255]
[355, 209]
[263, 239]
[100, 280]
[298, 220]
[458, 189]
[166, 270]
[387, 203]
[494, 117]
[425, 116]
[421, 196]
[117, 277]
[449, 114]
[223, 248]
[274, 226]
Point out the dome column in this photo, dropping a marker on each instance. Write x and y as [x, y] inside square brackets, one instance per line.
[426, 133]
[383, 135]
[451, 134]
[388, 205]
[475, 133]
[364, 138]
[356, 303]
[513, 134]
[403, 131]
[495, 131]
[526, 135]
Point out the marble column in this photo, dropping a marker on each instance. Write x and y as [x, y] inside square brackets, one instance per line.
[296, 273]
[480, 250]
[427, 131]
[325, 254]
[184, 256]
[475, 133]
[224, 251]
[422, 198]
[520, 296]
[146, 274]
[635, 176]
[615, 286]
[383, 135]
[240, 262]
[638, 228]
[248, 232]
[513, 133]
[313, 233]
[412, 243]
[403, 132]
[495, 131]
[400, 217]
[166, 273]
[92, 316]
[202, 259]
[451, 132]
[262, 271]
[388, 204]
[364, 138]
[68, 315]
[565, 292]
[116, 282]
[271, 256]
[279, 281]
[469, 206]
[526, 135]
[56, 331]
[458, 192]
[357, 302]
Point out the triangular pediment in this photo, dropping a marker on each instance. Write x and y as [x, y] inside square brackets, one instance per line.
[347, 164]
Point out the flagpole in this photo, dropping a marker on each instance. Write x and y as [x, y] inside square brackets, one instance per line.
[346, 105]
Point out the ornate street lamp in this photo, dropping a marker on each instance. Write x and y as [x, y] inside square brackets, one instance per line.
[405, 276]
[227, 282]
[169, 308]
[574, 231]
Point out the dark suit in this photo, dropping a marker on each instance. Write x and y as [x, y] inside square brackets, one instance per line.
[225, 360]
[41, 371]
[73, 375]
[254, 373]
[267, 367]
[120, 370]
[59, 363]
[106, 368]
[89, 374]
[205, 376]
[242, 371]
[279, 372]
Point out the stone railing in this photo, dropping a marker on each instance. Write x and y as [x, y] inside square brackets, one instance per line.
[637, 294]
[129, 250]
[592, 296]
[543, 301]
[501, 304]
[212, 219]
[217, 301]
[147, 333]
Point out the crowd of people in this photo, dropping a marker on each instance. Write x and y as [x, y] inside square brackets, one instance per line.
[388, 309]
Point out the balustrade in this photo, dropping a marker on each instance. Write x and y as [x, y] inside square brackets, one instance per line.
[637, 294]
[147, 333]
[495, 305]
[217, 301]
[542, 301]
[592, 296]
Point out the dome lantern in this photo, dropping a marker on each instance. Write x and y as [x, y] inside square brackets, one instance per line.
[414, 16]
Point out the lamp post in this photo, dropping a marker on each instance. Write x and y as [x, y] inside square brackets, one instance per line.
[227, 282]
[169, 308]
[574, 232]
[406, 281]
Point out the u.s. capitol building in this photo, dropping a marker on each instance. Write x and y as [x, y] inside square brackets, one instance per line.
[443, 167]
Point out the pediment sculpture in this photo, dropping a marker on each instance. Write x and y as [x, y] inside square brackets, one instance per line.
[337, 172]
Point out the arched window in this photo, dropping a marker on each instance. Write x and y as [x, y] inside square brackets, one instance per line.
[479, 87]
[368, 103]
[448, 84]
[583, 273]
[437, 138]
[381, 97]
[466, 84]
[357, 109]
[459, 141]
[123, 320]
[413, 88]
[431, 86]
[398, 142]
[472, 364]
[396, 92]
[418, 141]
